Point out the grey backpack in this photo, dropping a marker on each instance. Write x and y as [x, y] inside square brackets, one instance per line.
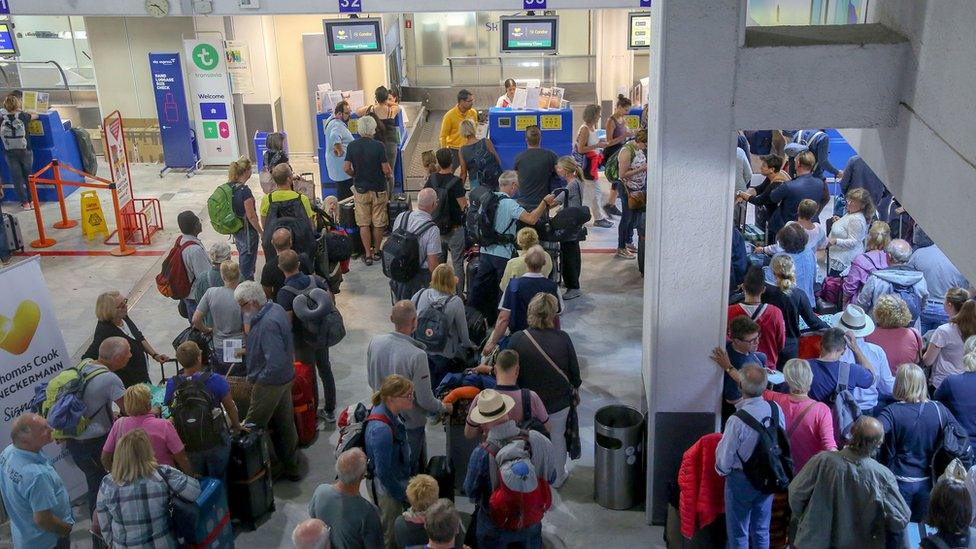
[845, 408]
[13, 133]
[321, 322]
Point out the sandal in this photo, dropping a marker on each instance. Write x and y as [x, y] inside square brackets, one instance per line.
[368, 260]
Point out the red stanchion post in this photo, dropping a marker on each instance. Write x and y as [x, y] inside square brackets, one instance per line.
[122, 250]
[42, 240]
[65, 223]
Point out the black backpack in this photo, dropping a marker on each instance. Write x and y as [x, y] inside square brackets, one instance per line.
[442, 215]
[433, 325]
[289, 214]
[480, 221]
[316, 313]
[198, 419]
[770, 467]
[401, 252]
[484, 166]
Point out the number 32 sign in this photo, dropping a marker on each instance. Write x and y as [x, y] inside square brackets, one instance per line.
[533, 4]
[350, 6]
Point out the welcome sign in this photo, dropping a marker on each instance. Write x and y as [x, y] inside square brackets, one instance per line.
[210, 95]
[32, 351]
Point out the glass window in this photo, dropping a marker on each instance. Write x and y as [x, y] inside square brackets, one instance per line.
[52, 38]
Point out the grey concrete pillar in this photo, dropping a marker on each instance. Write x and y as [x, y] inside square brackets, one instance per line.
[691, 153]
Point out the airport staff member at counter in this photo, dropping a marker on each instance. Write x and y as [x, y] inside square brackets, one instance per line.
[506, 99]
[451, 126]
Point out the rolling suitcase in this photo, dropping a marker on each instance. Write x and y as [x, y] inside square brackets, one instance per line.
[249, 486]
[303, 399]
[440, 468]
[398, 204]
[15, 240]
[459, 448]
[347, 220]
[213, 529]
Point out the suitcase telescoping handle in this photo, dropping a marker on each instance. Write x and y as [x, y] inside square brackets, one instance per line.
[162, 369]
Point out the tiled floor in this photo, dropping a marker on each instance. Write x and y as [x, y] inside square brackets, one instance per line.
[605, 324]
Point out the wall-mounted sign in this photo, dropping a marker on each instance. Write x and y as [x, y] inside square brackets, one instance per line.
[353, 36]
[238, 56]
[551, 122]
[639, 26]
[210, 95]
[645, 3]
[4, 7]
[523, 121]
[350, 6]
[533, 4]
[529, 34]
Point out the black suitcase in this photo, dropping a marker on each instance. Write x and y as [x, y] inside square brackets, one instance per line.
[440, 468]
[15, 240]
[459, 448]
[250, 492]
[347, 214]
[398, 204]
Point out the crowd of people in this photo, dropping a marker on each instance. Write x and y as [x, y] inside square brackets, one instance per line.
[847, 366]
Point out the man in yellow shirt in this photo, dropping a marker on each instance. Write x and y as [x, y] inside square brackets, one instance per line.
[282, 177]
[451, 125]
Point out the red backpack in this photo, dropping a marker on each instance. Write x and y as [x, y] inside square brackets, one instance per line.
[510, 509]
[172, 280]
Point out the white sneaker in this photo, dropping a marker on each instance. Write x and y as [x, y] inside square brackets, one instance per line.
[624, 253]
[572, 294]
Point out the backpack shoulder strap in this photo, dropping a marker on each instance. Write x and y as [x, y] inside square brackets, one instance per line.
[750, 421]
[404, 220]
[526, 405]
[380, 417]
[290, 290]
[424, 228]
[759, 311]
[799, 418]
[843, 376]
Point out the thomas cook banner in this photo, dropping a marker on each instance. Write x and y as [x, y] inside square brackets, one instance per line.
[32, 350]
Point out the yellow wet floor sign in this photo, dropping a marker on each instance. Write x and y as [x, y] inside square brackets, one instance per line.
[92, 218]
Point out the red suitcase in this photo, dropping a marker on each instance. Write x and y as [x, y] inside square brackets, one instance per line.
[303, 399]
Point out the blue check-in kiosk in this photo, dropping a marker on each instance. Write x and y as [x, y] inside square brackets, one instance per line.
[506, 129]
[328, 184]
[49, 138]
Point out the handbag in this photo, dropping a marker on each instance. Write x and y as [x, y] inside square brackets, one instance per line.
[183, 514]
[240, 386]
[637, 201]
[573, 443]
[953, 444]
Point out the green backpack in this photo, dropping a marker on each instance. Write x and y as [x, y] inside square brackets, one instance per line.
[611, 168]
[60, 399]
[220, 206]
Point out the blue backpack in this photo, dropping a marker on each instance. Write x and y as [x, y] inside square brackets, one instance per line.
[911, 299]
[845, 409]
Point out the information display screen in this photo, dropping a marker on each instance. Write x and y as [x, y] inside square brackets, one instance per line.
[7, 45]
[533, 34]
[639, 36]
[353, 36]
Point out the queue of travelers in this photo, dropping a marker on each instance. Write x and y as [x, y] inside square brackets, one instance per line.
[845, 433]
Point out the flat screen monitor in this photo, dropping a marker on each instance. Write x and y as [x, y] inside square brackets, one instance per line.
[639, 36]
[353, 36]
[7, 45]
[529, 34]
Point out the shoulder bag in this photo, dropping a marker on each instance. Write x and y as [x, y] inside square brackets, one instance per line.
[183, 513]
[573, 443]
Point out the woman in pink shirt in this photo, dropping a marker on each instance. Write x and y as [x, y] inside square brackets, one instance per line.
[901, 344]
[166, 443]
[809, 425]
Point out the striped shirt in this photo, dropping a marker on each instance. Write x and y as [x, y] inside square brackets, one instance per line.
[136, 515]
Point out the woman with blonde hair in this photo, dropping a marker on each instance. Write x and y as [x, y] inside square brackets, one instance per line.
[958, 391]
[442, 296]
[524, 239]
[945, 350]
[811, 425]
[480, 163]
[590, 147]
[913, 428]
[873, 258]
[133, 506]
[166, 443]
[893, 333]
[388, 450]
[112, 311]
[846, 239]
[792, 302]
[569, 248]
[246, 239]
[422, 493]
[20, 158]
[549, 366]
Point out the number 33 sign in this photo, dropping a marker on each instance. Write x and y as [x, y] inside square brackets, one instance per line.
[533, 4]
[350, 6]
